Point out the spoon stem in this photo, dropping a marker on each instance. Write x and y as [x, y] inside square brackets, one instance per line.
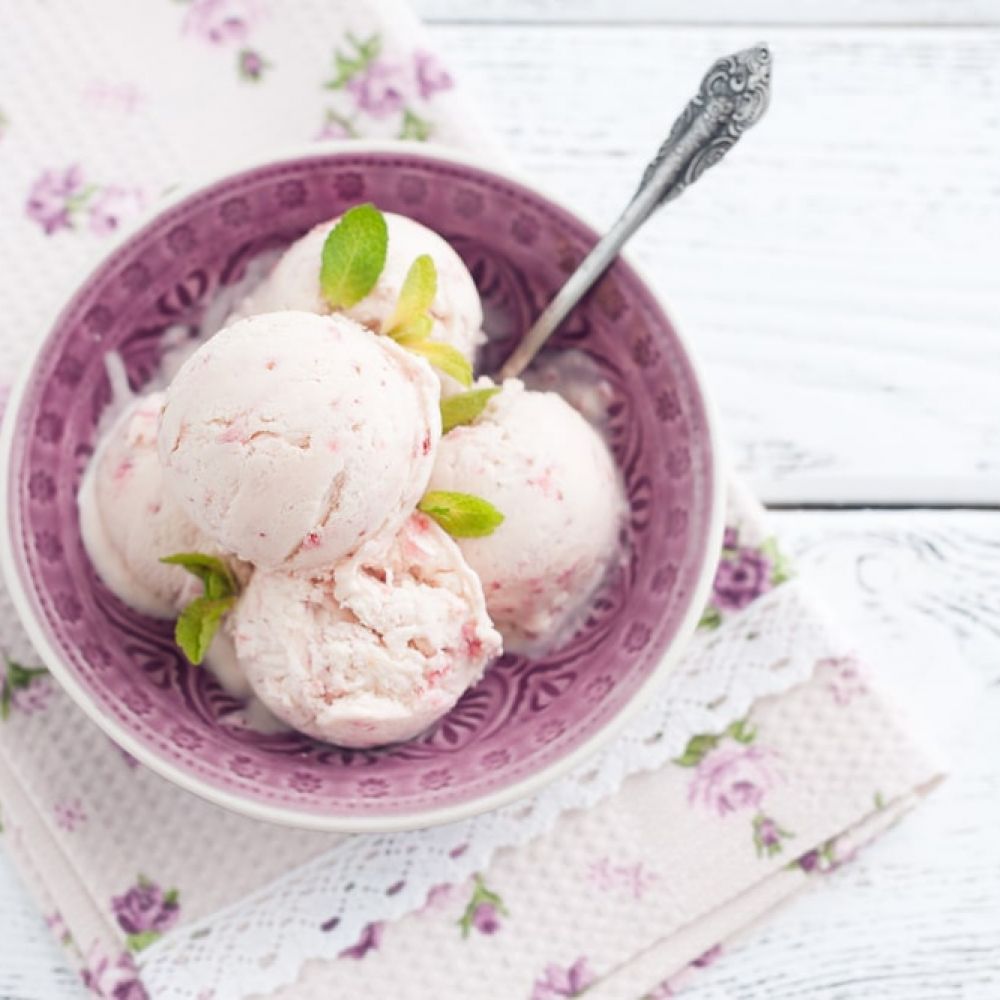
[733, 96]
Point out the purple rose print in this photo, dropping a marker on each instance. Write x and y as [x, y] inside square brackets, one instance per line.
[379, 89]
[563, 982]
[251, 65]
[370, 940]
[222, 22]
[54, 198]
[768, 836]
[483, 911]
[485, 919]
[741, 579]
[745, 572]
[431, 75]
[730, 779]
[109, 206]
[25, 690]
[114, 979]
[145, 912]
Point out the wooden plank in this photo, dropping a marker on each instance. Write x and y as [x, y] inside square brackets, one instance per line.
[837, 273]
[915, 916]
[856, 12]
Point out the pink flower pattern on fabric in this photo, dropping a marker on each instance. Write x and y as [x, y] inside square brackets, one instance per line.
[634, 879]
[380, 88]
[222, 22]
[70, 814]
[557, 982]
[733, 778]
[60, 198]
[844, 678]
[115, 978]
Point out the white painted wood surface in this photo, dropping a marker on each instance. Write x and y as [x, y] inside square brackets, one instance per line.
[838, 273]
[916, 916]
[865, 13]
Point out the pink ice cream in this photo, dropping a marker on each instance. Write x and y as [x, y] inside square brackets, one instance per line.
[128, 521]
[456, 310]
[547, 470]
[374, 650]
[290, 438]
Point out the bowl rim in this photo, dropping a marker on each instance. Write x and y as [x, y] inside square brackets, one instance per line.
[286, 815]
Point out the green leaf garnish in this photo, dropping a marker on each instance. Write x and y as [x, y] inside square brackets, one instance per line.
[462, 515]
[464, 407]
[416, 295]
[415, 332]
[353, 256]
[199, 621]
[212, 571]
[445, 358]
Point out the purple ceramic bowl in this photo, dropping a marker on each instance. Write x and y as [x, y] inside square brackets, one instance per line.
[528, 720]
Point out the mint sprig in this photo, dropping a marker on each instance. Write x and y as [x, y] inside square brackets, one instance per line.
[462, 515]
[199, 621]
[445, 358]
[415, 297]
[353, 256]
[464, 407]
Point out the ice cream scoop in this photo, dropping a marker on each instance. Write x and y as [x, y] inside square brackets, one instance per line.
[374, 650]
[537, 460]
[291, 438]
[128, 521]
[456, 310]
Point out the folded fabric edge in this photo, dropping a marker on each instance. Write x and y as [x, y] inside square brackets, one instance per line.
[76, 921]
[666, 967]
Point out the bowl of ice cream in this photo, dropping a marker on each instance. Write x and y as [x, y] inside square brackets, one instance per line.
[416, 671]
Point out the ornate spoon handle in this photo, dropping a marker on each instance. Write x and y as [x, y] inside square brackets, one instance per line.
[733, 96]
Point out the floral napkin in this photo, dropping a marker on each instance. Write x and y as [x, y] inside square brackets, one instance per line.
[103, 107]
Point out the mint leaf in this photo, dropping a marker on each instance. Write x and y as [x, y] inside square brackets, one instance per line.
[464, 407]
[462, 515]
[444, 357]
[197, 625]
[353, 256]
[415, 332]
[416, 295]
[212, 571]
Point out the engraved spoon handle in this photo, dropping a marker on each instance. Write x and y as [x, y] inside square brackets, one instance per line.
[733, 96]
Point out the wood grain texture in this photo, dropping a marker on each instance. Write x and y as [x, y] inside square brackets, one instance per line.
[915, 917]
[855, 12]
[837, 273]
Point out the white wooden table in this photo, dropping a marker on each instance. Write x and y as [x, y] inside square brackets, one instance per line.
[841, 279]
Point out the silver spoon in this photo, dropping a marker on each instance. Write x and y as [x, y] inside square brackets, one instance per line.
[733, 96]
